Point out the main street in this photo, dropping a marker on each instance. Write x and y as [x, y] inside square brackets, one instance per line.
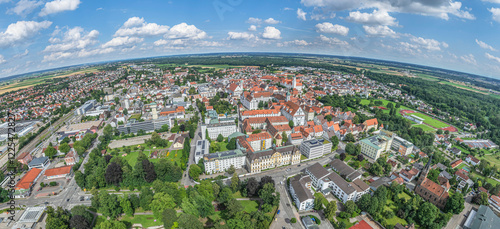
[186, 180]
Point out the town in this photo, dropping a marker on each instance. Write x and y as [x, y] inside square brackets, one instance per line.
[150, 145]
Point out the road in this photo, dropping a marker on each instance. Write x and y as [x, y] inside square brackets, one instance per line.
[186, 180]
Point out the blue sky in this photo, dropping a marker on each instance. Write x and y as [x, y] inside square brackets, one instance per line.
[452, 34]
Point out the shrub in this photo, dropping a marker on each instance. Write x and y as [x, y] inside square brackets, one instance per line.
[53, 183]
[293, 220]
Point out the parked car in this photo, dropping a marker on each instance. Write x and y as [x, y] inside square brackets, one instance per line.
[67, 200]
[82, 198]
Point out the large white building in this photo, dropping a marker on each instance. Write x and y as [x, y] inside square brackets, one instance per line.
[214, 130]
[294, 113]
[327, 181]
[373, 146]
[221, 161]
[202, 148]
[315, 148]
[300, 190]
[251, 100]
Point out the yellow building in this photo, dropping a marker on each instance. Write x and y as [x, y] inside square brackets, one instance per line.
[272, 158]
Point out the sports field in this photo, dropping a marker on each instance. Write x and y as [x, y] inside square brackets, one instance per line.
[433, 122]
[425, 127]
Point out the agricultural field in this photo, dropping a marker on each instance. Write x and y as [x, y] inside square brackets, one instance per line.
[433, 122]
[425, 127]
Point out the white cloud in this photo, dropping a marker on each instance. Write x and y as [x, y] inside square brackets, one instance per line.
[484, 45]
[492, 1]
[327, 27]
[252, 28]
[271, 21]
[429, 44]
[301, 14]
[271, 33]
[253, 20]
[333, 40]
[136, 26]
[322, 16]
[294, 43]
[495, 13]
[287, 8]
[74, 38]
[2, 59]
[469, 59]
[240, 36]
[435, 8]
[100, 8]
[491, 57]
[377, 17]
[22, 54]
[379, 30]
[24, 7]
[57, 6]
[185, 31]
[122, 41]
[20, 31]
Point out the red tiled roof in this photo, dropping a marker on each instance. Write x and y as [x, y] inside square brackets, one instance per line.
[361, 225]
[27, 180]
[58, 171]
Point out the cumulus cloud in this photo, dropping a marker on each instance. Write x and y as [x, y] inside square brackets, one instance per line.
[24, 7]
[492, 1]
[76, 54]
[322, 16]
[491, 57]
[74, 38]
[2, 59]
[495, 13]
[20, 31]
[435, 8]
[301, 14]
[136, 26]
[122, 41]
[379, 31]
[377, 17]
[252, 28]
[57, 6]
[271, 33]
[240, 36]
[327, 27]
[253, 20]
[469, 59]
[185, 31]
[429, 44]
[294, 43]
[271, 21]
[22, 54]
[484, 45]
[333, 40]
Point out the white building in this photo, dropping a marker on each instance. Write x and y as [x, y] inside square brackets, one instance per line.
[251, 100]
[315, 148]
[373, 146]
[221, 161]
[214, 130]
[294, 113]
[202, 149]
[300, 190]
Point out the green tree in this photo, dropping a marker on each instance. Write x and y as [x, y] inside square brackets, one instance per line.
[195, 171]
[350, 137]
[231, 169]
[111, 224]
[161, 201]
[187, 221]
[233, 207]
[330, 209]
[318, 204]
[64, 147]
[350, 207]
[220, 138]
[169, 217]
[189, 207]
[235, 182]
[50, 152]
[291, 124]
[426, 214]
[455, 203]
[335, 141]
[126, 206]
[285, 137]
[232, 144]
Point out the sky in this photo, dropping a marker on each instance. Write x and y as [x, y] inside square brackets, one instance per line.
[451, 34]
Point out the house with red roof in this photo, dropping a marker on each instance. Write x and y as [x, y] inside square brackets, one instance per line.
[24, 186]
[59, 172]
[472, 160]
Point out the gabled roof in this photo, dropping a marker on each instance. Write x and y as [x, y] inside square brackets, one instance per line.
[58, 171]
[28, 179]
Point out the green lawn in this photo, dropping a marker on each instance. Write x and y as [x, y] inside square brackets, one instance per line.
[237, 195]
[222, 146]
[404, 195]
[491, 158]
[425, 127]
[173, 156]
[489, 180]
[249, 205]
[145, 220]
[384, 104]
[394, 220]
[433, 122]
[346, 221]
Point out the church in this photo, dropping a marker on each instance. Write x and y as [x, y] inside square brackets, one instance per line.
[293, 84]
[430, 190]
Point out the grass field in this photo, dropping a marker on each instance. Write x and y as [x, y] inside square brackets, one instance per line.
[394, 220]
[491, 158]
[425, 127]
[249, 205]
[433, 122]
[145, 220]
[384, 104]
[174, 155]
[404, 195]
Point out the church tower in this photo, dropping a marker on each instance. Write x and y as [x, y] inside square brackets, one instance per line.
[287, 96]
[424, 172]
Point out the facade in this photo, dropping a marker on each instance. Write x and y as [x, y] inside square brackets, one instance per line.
[315, 148]
[272, 158]
[373, 146]
[402, 146]
[39, 163]
[24, 186]
[251, 100]
[60, 172]
[71, 157]
[85, 107]
[294, 113]
[214, 130]
[259, 113]
[430, 190]
[202, 149]
[472, 160]
[300, 190]
[260, 141]
[221, 161]
[25, 158]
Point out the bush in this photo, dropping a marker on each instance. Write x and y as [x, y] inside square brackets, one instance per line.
[344, 215]
[42, 185]
[293, 220]
[315, 219]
